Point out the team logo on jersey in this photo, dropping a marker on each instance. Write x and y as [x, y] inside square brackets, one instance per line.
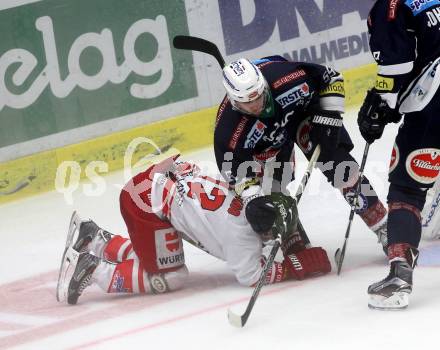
[288, 78]
[255, 134]
[297, 95]
[423, 165]
[418, 6]
[395, 156]
[433, 17]
[277, 136]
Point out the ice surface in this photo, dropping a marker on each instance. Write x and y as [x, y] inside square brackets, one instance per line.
[323, 313]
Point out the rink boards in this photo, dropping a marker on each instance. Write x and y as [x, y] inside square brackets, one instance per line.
[37, 173]
[83, 79]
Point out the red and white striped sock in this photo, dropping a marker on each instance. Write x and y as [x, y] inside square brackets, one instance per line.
[118, 249]
[125, 277]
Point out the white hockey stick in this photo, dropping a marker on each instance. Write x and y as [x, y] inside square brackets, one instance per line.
[240, 320]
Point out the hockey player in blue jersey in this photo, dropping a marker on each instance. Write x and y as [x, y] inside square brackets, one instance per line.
[270, 105]
[405, 42]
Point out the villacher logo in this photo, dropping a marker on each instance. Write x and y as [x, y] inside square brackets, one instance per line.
[424, 165]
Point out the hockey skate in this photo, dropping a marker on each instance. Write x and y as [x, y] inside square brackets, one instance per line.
[82, 276]
[87, 231]
[83, 232]
[392, 293]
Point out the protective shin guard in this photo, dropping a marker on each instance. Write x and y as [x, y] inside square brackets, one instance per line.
[404, 218]
[404, 224]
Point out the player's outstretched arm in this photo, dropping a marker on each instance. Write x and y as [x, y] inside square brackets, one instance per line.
[275, 215]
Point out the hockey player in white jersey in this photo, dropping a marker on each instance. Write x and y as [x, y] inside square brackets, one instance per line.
[170, 201]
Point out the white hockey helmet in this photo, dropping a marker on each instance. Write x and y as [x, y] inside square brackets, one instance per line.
[243, 82]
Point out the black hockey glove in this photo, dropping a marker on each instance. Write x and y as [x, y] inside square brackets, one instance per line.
[326, 127]
[374, 115]
[276, 214]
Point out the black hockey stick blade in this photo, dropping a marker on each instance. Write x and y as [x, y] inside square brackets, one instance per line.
[340, 252]
[186, 42]
[339, 258]
[240, 321]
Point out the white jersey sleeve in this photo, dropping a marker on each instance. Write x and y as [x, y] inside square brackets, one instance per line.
[205, 211]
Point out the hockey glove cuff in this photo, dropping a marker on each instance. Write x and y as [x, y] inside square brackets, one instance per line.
[326, 127]
[306, 263]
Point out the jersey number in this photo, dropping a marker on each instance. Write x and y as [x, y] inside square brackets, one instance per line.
[211, 201]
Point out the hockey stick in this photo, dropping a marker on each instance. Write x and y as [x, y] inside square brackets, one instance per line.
[185, 42]
[240, 320]
[340, 252]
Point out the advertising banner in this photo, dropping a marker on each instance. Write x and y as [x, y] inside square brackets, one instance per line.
[71, 70]
[300, 30]
[79, 79]
[69, 63]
